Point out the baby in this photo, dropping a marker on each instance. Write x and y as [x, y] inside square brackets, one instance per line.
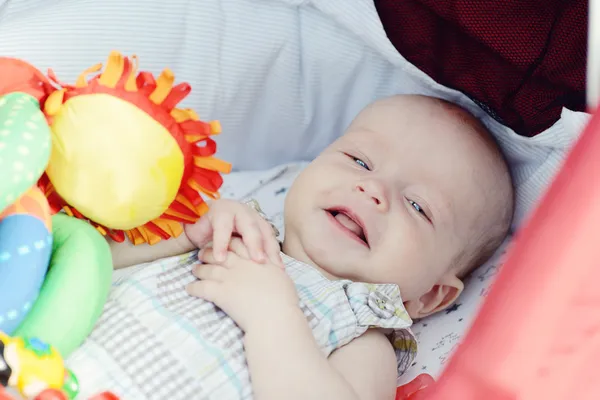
[380, 229]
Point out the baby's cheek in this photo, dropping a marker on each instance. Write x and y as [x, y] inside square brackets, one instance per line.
[408, 262]
[402, 241]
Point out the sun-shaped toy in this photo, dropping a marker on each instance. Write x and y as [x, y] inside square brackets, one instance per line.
[124, 157]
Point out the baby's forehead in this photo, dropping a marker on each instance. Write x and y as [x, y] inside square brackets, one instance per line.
[426, 130]
[436, 144]
[411, 115]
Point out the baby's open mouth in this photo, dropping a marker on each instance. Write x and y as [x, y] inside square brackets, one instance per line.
[351, 223]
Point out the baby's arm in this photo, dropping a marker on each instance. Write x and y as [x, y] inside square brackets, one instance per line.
[126, 254]
[285, 363]
[369, 362]
[284, 359]
[224, 219]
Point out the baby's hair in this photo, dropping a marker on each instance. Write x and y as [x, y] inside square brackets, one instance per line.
[482, 246]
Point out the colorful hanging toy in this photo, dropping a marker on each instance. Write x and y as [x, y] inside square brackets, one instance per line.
[118, 158]
[36, 370]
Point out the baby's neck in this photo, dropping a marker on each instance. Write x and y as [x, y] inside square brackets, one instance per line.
[296, 251]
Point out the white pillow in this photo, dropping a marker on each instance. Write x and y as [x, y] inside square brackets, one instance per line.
[285, 77]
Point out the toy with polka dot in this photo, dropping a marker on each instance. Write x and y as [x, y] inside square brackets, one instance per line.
[30, 366]
[25, 224]
[111, 155]
[37, 267]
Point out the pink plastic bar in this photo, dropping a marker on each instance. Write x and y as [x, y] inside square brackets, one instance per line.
[537, 336]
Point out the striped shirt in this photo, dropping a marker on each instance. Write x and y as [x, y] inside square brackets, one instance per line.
[154, 341]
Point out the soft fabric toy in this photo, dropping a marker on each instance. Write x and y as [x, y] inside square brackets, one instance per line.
[54, 297]
[25, 225]
[55, 272]
[119, 158]
[124, 157]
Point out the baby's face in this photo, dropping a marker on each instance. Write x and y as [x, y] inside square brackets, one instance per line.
[394, 200]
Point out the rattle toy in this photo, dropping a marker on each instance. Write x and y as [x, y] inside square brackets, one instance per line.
[31, 366]
[36, 370]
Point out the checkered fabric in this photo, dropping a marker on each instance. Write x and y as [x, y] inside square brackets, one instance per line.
[154, 341]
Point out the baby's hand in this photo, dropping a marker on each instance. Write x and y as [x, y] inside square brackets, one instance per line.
[228, 217]
[252, 294]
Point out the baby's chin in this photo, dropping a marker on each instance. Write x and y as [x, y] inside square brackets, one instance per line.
[298, 253]
[327, 274]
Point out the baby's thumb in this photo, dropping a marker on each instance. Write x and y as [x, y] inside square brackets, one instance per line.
[200, 233]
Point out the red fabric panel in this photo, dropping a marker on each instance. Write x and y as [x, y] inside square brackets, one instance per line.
[522, 61]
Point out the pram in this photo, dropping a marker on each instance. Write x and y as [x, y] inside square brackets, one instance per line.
[546, 281]
[26, 44]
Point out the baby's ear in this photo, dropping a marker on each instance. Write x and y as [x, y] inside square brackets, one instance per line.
[441, 295]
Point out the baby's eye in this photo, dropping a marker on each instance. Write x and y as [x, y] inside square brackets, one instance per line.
[417, 207]
[361, 163]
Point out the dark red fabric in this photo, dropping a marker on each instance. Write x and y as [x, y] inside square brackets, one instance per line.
[521, 60]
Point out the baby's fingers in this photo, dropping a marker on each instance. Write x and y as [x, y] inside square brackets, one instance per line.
[271, 244]
[249, 229]
[223, 225]
[207, 290]
[201, 232]
[238, 247]
[211, 272]
[207, 256]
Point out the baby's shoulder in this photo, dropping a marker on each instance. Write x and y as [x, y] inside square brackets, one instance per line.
[368, 361]
[373, 341]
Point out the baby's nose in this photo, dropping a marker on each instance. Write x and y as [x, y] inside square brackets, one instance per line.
[376, 192]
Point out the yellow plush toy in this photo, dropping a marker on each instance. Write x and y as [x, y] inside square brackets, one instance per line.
[124, 157]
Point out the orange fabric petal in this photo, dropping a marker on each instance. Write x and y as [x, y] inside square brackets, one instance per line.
[174, 216]
[213, 164]
[178, 93]
[205, 180]
[196, 127]
[19, 76]
[209, 148]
